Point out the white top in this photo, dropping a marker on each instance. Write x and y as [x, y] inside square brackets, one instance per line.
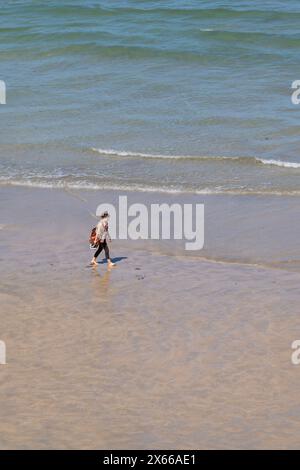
[102, 230]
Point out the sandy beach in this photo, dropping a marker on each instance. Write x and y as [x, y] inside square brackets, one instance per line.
[164, 351]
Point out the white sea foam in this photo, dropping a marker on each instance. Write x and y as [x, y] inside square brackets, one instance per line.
[238, 159]
[84, 185]
[121, 153]
[279, 163]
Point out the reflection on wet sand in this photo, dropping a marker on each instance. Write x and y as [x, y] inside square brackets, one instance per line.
[101, 283]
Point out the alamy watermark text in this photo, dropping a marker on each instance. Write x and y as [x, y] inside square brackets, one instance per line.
[156, 222]
[2, 352]
[2, 92]
[296, 94]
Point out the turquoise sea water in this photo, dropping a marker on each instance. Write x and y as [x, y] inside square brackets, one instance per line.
[160, 95]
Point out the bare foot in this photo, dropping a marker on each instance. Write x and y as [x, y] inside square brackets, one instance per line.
[94, 262]
[110, 264]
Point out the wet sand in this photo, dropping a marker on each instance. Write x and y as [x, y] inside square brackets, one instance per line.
[163, 351]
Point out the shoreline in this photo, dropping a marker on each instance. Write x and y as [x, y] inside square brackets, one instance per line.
[164, 191]
[239, 230]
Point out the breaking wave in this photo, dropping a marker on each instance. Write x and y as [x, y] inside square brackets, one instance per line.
[241, 160]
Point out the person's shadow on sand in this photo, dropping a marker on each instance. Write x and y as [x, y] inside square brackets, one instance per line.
[114, 260]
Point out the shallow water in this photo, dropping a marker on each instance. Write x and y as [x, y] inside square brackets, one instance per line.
[153, 78]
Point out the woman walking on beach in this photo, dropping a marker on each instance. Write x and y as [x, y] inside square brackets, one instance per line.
[102, 237]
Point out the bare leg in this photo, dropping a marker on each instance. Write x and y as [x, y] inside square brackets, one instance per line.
[97, 253]
[106, 249]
